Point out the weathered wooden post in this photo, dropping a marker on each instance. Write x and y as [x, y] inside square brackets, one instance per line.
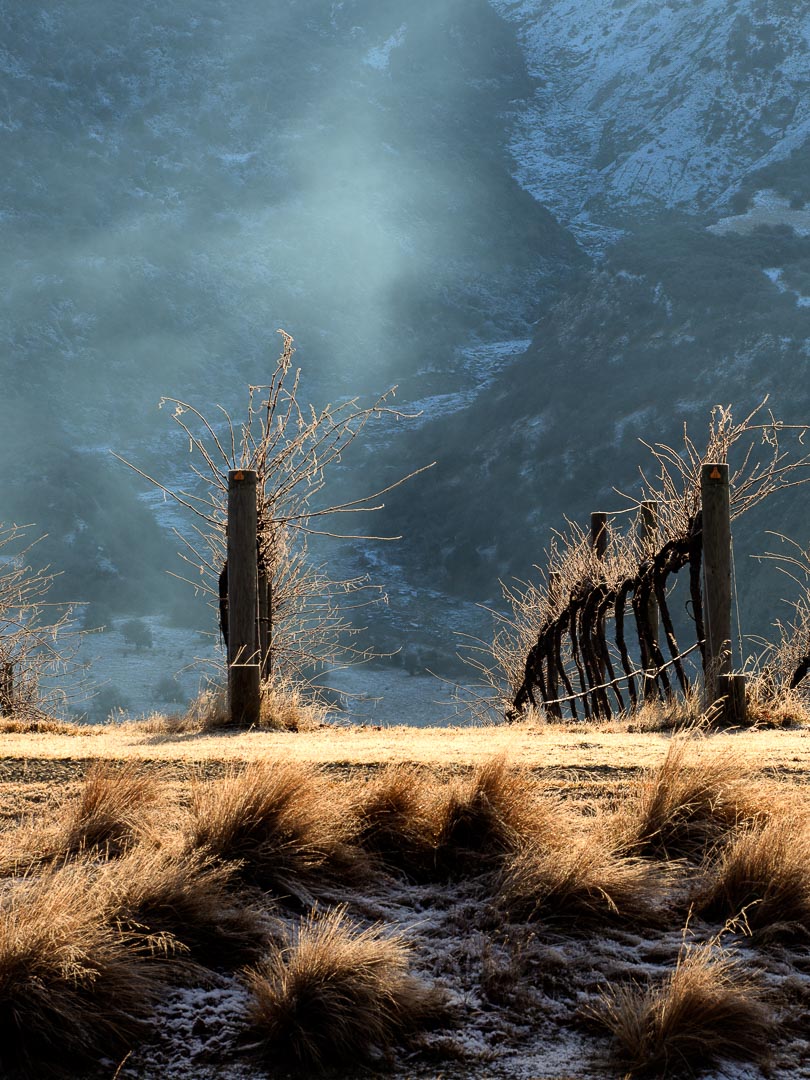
[719, 683]
[648, 534]
[599, 534]
[244, 674]
[6, 687]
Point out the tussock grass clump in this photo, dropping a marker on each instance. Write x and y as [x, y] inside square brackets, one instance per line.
[112, 811]
[688, 803]
[466, 826]
[287, 707]
[581, 881]
[283, 707]
[395, 817]
[670, 714]
[763, 875]
[337, 995]
[770, 709]
[43, 725]
[72, 986]
[709, 1009]
[282, 823]
[186, 895]
[488, 815]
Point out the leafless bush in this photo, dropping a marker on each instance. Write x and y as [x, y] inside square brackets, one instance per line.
[38, 639]
[293, 449]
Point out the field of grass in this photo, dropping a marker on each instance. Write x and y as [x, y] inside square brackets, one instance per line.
[532, 901]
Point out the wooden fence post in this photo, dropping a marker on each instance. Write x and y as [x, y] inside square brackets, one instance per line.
[244, 674]
[6, 687]
[715, 499]
[648, 534]
[599, 535]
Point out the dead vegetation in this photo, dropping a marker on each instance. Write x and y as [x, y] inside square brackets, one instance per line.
[709, 1009]
[525, 902]
[73, 986]
[282, 826]
[336, 995]
[689, 803]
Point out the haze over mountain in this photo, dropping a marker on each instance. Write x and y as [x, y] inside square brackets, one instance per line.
[558, 226]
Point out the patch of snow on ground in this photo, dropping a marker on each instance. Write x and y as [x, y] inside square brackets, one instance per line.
[768, 209]
[380, 56]
[480, 363]
[629, 98]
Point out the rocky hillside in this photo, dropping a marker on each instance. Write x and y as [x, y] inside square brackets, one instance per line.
[557, 226]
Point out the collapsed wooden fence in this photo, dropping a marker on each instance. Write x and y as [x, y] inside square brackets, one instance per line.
[574, 665]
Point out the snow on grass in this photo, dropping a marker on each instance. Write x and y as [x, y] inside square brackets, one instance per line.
[380, 56]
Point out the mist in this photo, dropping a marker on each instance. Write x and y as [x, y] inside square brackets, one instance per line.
[181, 180]
[382, 181]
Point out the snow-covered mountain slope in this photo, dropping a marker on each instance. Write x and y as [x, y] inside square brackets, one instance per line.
[645, 104]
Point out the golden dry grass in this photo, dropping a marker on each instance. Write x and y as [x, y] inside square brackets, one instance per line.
[72, 985]
[337, 995]
[190, 897]
[689, 802]
[581, 881]
[281, 823]
[182, 871]
[762, 876]
[113, 809]
[708, 1010]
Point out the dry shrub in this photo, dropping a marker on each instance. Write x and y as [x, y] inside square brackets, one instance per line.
[72, 986]
[763, 875]
[282, 823]
[188, 896]
[707, 1010]
[581, 880]
[43, 725]
[337, 995]
[111, 812]
[688, 803]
